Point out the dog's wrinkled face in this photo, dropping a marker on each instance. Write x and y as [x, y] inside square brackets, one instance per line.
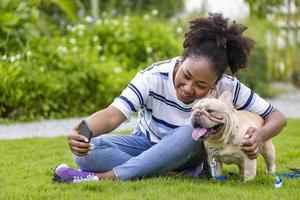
[209, 116]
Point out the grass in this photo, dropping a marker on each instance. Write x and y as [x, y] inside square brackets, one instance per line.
[26, 168]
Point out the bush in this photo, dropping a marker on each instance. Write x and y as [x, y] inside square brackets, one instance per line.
[80, 69]
[256, 75]
[18, 23]
[165, 8]
[83, 69]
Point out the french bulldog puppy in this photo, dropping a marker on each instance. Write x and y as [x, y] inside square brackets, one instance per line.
[222, 128]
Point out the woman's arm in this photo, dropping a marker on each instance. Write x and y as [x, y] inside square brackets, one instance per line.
[101, 122]
[254, 138]
[105, 121]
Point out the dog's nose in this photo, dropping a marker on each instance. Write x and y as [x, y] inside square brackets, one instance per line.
[197, 114]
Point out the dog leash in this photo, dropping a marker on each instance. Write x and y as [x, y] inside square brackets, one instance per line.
[294, 173]
[279, 177]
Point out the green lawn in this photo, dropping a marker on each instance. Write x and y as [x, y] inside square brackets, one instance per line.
[26, 168]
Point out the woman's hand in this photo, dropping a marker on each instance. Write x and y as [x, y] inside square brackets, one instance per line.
[252, 142]
[78, 144]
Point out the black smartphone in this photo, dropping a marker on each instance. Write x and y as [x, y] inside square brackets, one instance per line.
[85, 130]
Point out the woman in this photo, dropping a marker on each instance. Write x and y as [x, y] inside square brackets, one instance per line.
[164, 94]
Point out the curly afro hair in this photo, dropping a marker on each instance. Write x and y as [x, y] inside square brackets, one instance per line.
[218, 40]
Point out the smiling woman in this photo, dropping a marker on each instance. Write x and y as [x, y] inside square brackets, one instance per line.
[193, 79]
[164, 95]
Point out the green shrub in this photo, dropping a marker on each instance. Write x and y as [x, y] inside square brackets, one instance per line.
[81, 70]
[18, 23]
[165, 8]
[256, 75]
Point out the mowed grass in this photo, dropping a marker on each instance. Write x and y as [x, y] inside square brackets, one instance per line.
[26, 168]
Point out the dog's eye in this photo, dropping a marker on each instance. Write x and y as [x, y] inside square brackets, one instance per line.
[209, 110]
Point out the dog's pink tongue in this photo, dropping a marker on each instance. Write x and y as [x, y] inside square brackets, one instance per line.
[198, 132]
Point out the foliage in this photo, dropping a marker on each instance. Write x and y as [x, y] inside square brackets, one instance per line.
[25, 173]
[282, 37]
[55, 65]
[165, 9]
[23, 20]
[82, 69]
[256, 75]
[260, 8]
[17, 24]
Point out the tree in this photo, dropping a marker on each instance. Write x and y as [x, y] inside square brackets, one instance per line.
[260, 8]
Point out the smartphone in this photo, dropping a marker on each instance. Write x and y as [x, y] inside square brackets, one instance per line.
[85, 130]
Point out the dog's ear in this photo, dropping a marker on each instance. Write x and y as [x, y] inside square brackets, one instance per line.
[212, 93]
[226, 97]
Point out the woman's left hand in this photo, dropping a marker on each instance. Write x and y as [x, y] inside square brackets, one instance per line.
[252, 142]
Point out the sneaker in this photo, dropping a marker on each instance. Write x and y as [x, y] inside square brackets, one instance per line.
[64, 174]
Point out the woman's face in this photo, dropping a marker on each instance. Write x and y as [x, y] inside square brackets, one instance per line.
[193, 79]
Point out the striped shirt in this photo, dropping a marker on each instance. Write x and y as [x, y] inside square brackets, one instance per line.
[152, 93]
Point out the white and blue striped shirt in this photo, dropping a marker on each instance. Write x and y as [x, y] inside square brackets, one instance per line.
[153, 94]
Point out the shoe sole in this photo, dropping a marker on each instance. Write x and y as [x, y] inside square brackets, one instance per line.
[55, 177]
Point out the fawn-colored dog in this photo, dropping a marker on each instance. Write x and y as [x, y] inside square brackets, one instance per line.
[222, 127]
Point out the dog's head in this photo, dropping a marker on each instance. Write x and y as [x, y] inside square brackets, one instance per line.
[210, 116]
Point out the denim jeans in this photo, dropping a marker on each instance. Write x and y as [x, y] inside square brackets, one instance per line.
[135, 156]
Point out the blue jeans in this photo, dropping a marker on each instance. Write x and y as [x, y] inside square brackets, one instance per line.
[135, 156]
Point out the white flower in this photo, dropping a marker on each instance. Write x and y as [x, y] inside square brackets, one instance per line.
[99, 47]
[126, 18]
[95, 38]
[72, 41]
[18, 56]
[179, 29]
[154, 12]
[117, 70]
[281, 43]
[80, 33]
[281, 66]
[146, 17]
[69, 28]
[4, 57]
[62, 49]
[75, 49]
[98, 21]
[42, 69]
[102, 58]
[73, 29]
[89, 19]
[149, 49]
[12, 59]
[29, 53]
[80, 27]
